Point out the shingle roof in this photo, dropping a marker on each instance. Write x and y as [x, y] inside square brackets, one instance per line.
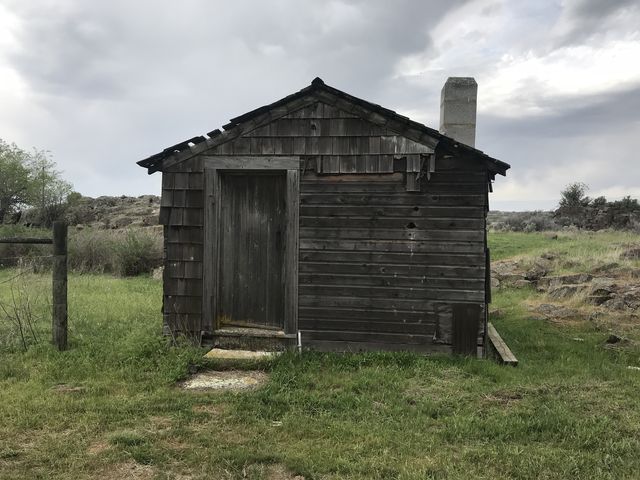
[197, 144]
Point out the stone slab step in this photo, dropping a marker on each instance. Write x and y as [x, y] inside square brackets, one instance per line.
[221, 353]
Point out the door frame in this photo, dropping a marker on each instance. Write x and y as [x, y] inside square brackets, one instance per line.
[213, 167]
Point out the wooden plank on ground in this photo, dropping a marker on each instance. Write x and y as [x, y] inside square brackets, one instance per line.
[504, 353]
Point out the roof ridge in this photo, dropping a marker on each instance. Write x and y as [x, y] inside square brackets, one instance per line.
[155, 162]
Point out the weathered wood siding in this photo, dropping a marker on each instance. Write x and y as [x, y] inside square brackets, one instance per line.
[379, 266]
[181, 213]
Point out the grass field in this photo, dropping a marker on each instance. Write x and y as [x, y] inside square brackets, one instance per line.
[109, 406]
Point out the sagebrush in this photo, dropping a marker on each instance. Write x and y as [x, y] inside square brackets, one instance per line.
[127, 252]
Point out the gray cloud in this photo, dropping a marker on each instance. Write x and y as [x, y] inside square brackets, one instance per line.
[108, 83]
[592, 139]
[92, 49]
[586, 19]
[567, 117]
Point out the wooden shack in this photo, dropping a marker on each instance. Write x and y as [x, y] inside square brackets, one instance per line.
[326, 220]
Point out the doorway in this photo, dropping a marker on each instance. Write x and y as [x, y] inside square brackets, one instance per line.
[250, 276]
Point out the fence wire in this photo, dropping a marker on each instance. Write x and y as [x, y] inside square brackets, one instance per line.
[25, 303]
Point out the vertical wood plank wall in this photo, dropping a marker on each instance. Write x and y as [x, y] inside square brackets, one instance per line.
[379, 267]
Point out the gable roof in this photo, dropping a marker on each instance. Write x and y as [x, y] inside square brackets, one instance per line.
[317, 91]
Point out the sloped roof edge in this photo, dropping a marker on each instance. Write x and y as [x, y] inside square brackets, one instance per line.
[195, 145]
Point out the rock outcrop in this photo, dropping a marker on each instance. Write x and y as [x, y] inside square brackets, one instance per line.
[609, 287]
[114, 212]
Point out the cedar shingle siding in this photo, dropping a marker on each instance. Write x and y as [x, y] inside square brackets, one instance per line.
[391, 224]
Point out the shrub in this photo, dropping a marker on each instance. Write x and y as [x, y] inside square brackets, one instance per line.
[525, 222]
[138, 252]
[12, 253]
[127, 253]
[123, 252]
[574, 196]
[92, 251]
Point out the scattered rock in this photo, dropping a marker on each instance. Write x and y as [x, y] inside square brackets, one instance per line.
[632, 253]
[597, 299]
[539, 269]
[602, 289]
[506, 269]
[632, 298]
[511, 279]
[495, 283]
[626, 272]
[506, 273]
[627, 297]
[605, 268]
[521, 283]
[616, 303]
[565, 291]
[573, 279]
[576, 278]
[548, 256]
[552, 311]
[614, 339]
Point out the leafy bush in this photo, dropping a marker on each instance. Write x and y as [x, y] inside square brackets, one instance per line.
[122, 252]
[578, 210]
[30, 180]
[127, 253]
[537, 221]
[137, 252]
[574, 196]
[92, 251]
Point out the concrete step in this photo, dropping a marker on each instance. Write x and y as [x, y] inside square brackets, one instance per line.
[224, 354]
[252, 339]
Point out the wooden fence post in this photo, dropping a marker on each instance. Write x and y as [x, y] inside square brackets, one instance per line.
[60, 285]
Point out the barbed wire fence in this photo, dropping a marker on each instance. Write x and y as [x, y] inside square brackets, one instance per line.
[20, 300]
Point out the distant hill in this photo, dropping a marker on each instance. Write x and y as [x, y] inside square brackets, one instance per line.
[115, 212]
[110, 212]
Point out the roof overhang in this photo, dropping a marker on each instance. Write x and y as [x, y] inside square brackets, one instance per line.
[317, 91]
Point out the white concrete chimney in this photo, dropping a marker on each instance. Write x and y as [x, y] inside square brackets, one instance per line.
[458, 109]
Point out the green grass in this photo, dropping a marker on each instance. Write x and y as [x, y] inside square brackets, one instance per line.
[569, 410]
[577, 251]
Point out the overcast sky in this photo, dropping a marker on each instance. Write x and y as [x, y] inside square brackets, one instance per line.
[104, 84]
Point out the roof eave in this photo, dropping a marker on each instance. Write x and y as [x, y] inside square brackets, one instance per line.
[196, 145]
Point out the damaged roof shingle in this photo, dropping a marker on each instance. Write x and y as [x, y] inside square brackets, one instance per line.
[198, 144]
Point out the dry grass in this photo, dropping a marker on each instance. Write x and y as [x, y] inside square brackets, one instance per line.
[569, 410]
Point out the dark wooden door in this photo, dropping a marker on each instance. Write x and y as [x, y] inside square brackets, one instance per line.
[252, 236]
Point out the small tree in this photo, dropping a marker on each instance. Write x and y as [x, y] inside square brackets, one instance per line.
[30, 180]
[48, 191]
[574, 195]
[15, 179]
